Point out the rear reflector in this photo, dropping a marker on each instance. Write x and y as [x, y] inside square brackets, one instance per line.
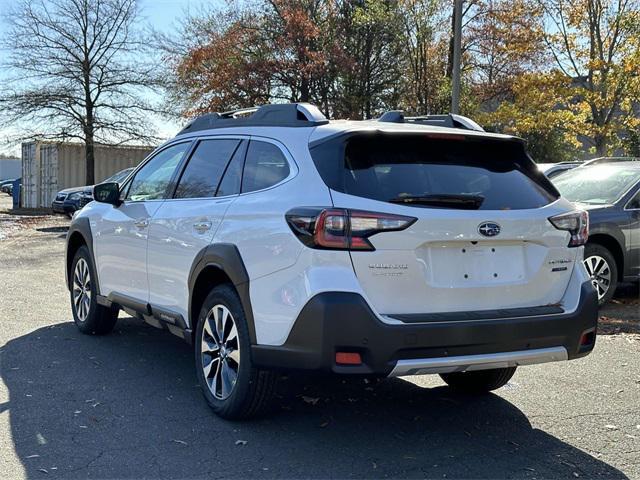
[587, 338]
[348, 358]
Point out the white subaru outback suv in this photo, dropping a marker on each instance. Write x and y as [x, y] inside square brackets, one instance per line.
[275, 239]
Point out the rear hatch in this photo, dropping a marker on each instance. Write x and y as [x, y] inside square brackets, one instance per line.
[481, 239]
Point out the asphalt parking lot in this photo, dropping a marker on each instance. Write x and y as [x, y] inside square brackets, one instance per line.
[127, 405]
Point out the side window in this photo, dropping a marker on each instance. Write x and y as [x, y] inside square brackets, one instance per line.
[152, 180]
[202, 174]
[265, 166]
[232, 179]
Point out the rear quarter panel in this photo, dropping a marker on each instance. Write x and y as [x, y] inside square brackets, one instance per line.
[283, 274]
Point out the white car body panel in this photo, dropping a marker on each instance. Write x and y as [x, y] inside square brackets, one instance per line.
[121, 246]
[433, 266]
[179, 230]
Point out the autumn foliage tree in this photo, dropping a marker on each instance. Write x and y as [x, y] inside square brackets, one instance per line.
[228, 68]
[504, 40]
[597, 44]
[424, 44]
[247, 57]
[564, 74]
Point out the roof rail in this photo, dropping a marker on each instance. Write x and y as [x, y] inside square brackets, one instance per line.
[272, 115]
[449, 120]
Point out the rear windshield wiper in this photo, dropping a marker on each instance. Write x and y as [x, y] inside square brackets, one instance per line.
[463, 202]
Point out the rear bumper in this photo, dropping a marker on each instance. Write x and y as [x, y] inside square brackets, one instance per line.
[344, 322]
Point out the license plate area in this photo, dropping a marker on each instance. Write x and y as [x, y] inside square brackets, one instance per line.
[472, 264]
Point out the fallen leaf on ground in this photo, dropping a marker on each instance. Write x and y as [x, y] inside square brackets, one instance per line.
[241, 442]
[181, 442]
[311, 400]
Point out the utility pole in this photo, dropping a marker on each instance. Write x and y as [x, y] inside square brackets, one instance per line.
[457, 47]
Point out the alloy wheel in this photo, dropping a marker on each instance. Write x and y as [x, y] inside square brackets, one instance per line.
[82, 289]
[220, 350]
[600, 273]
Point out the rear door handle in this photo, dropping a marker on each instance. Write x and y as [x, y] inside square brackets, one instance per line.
[141, 223]
[202, 226]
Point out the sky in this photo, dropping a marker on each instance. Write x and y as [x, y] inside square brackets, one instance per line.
[162, 15]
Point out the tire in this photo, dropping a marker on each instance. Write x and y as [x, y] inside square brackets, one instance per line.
[90, 317]
[603, 270]
[232, 386]
[479, 381]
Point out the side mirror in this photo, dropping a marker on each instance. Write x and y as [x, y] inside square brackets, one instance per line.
[107, 193]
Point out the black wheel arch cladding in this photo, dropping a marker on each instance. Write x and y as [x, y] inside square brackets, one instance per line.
[79, 234]
[226, 258]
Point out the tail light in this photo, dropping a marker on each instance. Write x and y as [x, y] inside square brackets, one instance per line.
[341, 229]
[576, 223]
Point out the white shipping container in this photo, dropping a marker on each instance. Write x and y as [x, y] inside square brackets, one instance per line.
[48, 167]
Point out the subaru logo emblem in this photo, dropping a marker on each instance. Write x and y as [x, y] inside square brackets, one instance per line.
[489, 229]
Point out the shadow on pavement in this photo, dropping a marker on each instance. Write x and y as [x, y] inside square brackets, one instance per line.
[58, 229]
[127, 405]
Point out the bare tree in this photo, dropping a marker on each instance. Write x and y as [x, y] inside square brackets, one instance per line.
[77, 71]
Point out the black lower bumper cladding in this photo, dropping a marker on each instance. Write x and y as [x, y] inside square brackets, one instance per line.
[343, 322]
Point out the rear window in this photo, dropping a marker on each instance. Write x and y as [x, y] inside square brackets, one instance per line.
[419, 170]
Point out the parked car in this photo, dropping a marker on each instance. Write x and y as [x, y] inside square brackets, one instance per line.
[553, 169]
[11, 186]
[611, 194]
[70, 200]
[6, 186]
[282, 240]
[601, 160]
